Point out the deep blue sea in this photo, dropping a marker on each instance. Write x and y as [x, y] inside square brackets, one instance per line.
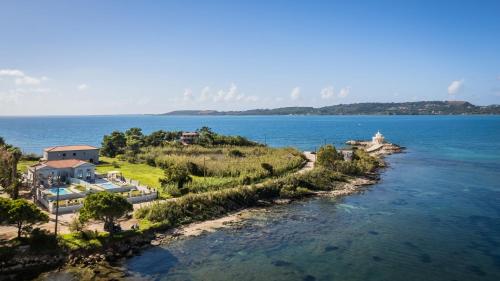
[435, 215]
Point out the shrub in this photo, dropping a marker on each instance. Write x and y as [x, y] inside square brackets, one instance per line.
[327, 156]
[172, 190]
[76, 225]
[235, 153]
[292, 191]
[193, 207]
[41, 239]
[177, 173]
[194, 169]
[30, 157]
[268, 167]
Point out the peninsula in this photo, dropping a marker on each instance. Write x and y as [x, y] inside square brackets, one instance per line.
[402, 108]
[199, 181]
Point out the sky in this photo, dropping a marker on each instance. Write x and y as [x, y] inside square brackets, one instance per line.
[128, 57]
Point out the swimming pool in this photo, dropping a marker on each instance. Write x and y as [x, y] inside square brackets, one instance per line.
[62, 191]
[109, 185]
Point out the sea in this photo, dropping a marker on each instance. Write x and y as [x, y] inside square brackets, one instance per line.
[435, 214]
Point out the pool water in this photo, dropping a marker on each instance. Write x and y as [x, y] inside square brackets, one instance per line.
[62, 191]
[109, 185]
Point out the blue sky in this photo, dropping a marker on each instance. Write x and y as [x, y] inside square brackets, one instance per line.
[107, 57]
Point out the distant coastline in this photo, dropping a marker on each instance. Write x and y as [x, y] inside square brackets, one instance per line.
[403, 108]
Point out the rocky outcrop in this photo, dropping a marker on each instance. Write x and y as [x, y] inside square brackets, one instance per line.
[26, 267]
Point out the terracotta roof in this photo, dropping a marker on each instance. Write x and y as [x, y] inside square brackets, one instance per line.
[70, 147]
[61, 164]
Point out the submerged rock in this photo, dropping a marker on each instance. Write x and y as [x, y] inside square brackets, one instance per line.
[281, 263]
[425, 258]
[309, 278]
[331, 248]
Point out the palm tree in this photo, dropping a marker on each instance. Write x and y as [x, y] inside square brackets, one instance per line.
[14, 157]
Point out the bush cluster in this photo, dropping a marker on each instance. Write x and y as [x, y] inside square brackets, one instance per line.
[202, 206]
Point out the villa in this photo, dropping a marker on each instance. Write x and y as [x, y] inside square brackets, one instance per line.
[81, 152]
[60, 170]
[66, 174]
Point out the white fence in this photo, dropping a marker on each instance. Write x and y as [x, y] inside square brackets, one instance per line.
[80, 182]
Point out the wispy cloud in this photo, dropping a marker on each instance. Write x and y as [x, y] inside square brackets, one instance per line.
[230, 95]
[23, 89]
[188, 94]
[20, 78]
[295, 94]
[11, 72]
[327, 93]
[82, 87]
[455, 87]
[344, 92]
[205, 94]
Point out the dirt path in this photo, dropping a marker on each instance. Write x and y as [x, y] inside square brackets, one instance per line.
[311, 159]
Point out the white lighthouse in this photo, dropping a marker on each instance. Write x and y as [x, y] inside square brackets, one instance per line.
[378, 138]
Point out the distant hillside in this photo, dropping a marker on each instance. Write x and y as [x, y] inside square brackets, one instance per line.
[403, 108]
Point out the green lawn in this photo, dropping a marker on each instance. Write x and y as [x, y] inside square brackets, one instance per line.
[24, 164]
[144, 173]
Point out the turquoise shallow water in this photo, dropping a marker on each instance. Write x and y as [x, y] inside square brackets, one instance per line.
[434, 216]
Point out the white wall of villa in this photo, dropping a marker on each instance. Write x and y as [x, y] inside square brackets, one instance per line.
[73, 201]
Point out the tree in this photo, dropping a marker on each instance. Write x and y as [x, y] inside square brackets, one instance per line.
[158, 138]
[113, 144]
[9, 178]
[24, 214]
[106, 207]
[76, 224]
[268, 167]
[134, 133]
[206, 136]
[134, 141]
[327, 155]
[176, 173]
[13, 188]
[5, 205]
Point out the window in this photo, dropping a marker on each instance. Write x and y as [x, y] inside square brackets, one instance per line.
[64, 154]
[74, 153]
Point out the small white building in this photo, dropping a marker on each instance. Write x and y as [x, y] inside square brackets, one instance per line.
[378, 138]
[189, 137]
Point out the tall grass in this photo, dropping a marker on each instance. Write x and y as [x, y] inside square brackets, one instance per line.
[222, 162]
[222, 167]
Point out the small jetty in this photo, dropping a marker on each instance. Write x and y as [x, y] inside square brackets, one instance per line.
[378, 146]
